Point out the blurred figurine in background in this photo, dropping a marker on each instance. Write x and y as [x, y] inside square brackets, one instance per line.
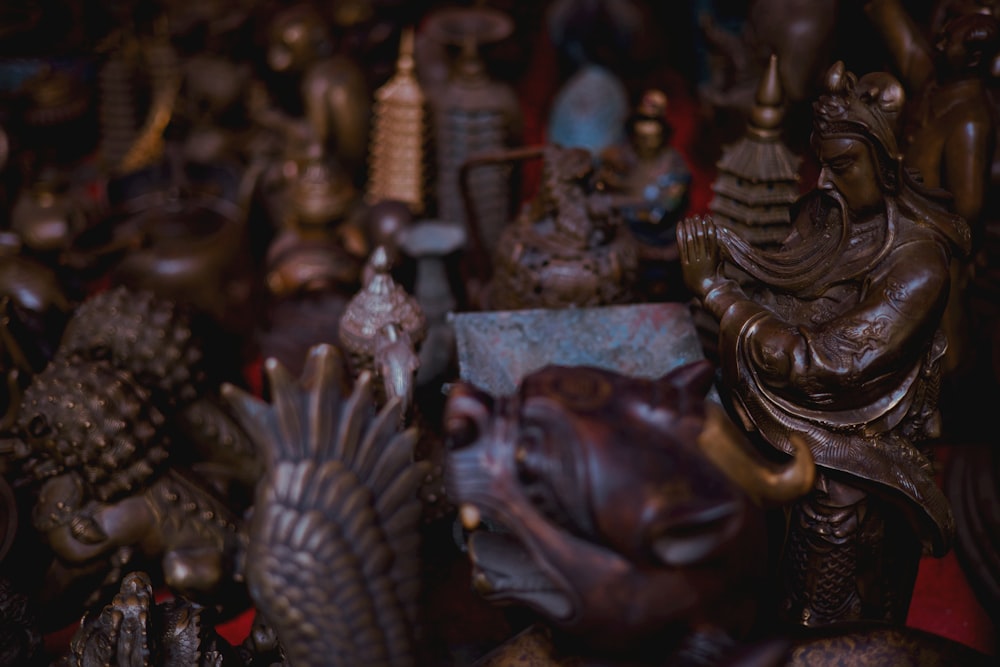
[837, 337]
[800, 32]
[648, 180]
[950, 130]
[334, 94]
[596, 41]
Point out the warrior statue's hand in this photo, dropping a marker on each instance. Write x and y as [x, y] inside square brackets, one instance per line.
[698, 244]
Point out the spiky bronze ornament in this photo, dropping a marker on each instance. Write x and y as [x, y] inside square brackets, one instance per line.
[136, 331]
[93, 419]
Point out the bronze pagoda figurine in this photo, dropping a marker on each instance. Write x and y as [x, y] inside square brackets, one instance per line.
[758, 176]
[398, 157]
[837, 337]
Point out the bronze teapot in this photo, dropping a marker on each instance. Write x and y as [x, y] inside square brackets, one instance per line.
[178, 232]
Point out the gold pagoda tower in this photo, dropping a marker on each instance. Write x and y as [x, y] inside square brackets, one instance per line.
[400, 143]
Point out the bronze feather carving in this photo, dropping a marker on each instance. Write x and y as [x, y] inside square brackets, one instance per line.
[332, 562]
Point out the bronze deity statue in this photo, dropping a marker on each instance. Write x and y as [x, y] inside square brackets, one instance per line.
[333, 88]
[650, 175]
[648, 179]
[333, 557]
[836, 336]
[949, 130]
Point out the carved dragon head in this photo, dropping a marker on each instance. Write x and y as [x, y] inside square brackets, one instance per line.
[612, 500]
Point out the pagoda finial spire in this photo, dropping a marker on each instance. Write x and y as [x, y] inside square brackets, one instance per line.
[769, 109]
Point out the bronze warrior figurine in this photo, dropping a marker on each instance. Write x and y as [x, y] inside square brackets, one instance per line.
[837, 337]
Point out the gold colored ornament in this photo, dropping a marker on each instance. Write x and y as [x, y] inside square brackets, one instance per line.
[400, 135]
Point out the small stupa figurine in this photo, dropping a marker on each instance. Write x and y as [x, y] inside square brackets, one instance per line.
[400, 133]
[758, 176]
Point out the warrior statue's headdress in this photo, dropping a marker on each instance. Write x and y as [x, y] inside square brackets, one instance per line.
[867, 109]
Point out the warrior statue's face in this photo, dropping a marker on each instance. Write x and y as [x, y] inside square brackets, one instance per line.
[848, 169]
